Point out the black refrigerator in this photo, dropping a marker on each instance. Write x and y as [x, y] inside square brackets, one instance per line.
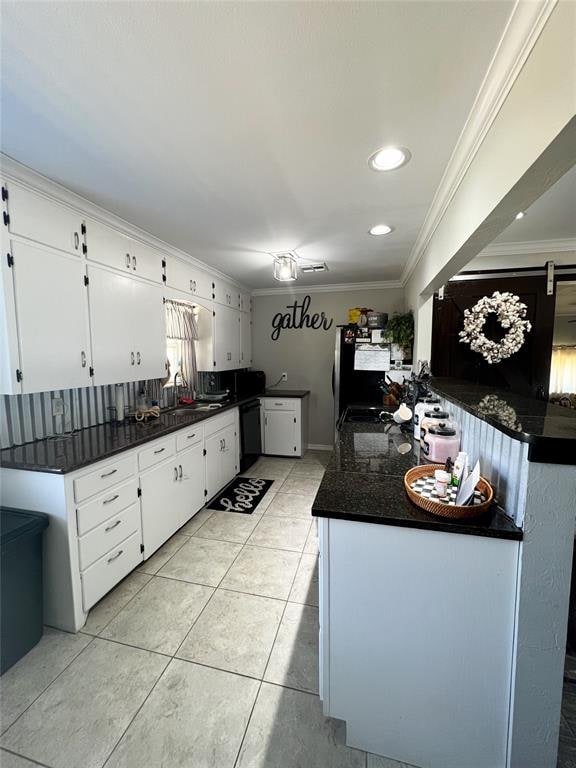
[360, 362]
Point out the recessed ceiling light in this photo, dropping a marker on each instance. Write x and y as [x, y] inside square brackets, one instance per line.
[389, 158]
[520, 215]
[380, 229]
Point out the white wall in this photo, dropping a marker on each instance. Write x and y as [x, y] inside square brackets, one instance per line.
[307, 355]
[540, 104]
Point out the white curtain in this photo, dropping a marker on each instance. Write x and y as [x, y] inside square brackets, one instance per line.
[181, 324]
[563, 370]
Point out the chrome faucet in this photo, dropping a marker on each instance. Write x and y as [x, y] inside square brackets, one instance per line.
[176, 389]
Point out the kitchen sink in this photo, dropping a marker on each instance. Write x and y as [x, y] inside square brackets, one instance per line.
[191, 408]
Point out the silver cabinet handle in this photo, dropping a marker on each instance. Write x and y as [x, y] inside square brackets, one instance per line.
[192, 435]
[76, 241]
[131, 358]
[114, 525]
[107, 474]
[224, 444]
[109, 501]
[138, 358]
[134, 263]
[278, 403]
[83, 358]
[265, 421]
[160, 450]
[127, 261]
[180, 471]
[116, 556]
[175, 473]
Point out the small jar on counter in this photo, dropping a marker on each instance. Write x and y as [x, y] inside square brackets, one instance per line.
[420, 409]
[431, 416]
[440, 443]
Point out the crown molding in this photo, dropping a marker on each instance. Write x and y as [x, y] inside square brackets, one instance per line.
[529, 247]
[13, 170]
[524, 26]
[335, 288]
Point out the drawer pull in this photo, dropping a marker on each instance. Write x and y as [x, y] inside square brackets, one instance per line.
[180, 471]
[160, 450]
[107, 474]
[175, 473]
[111, 527]
[109, 501]
[278, 403]
[116, 556]
[190, 436]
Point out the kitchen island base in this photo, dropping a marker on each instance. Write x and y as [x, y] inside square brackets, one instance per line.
[416, 641]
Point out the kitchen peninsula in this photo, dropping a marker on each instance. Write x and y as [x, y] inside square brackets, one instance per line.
[472, 613]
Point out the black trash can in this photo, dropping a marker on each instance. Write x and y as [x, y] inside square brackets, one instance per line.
[21, 585]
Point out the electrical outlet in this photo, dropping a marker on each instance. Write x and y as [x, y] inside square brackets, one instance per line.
[284, 377]
[57, 406]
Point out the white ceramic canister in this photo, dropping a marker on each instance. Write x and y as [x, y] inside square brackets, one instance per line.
[432, 415]
[419, 410]
[441, 442]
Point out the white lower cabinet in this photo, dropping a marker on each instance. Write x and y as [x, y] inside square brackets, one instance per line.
[105, 519]
[284, 425]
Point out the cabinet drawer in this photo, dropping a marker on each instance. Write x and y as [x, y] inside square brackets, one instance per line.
[156, 453]
[104, 477]
[219, 422]
[106, 572]
[90, 515]
[279, 404]
[108, 535]
[189, 437]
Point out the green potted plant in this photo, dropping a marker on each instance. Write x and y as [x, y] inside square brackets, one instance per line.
[400, 328]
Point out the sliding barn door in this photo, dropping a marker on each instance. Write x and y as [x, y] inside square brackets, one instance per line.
[528, 371]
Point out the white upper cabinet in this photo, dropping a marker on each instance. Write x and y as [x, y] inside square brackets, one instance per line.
[52, 325]
[226, 294]
[127, 327]
[38, 218]
[245, 302]
[188, 279]
[226, 339]
[108, 246]
[245, 340]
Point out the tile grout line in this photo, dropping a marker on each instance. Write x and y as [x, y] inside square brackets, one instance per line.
[88, 644]
[16, 754]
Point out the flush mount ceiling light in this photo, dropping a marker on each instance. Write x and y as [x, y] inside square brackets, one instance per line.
[520, 215]
[389, 158]
[285, 266]
[380, 229]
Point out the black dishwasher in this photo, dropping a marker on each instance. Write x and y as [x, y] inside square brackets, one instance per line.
[250, 435]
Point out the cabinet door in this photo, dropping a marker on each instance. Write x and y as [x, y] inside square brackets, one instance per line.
[213, 446]
[280, 433]
[149, 330]
[179, 275]
[245, 340]
[226, 338]
[229, 467]
[43, 220]
[147, 262]
[202, 284]
[111, 325]
[191, 481]
[50, 298]
[226, 294]
[161, 512]
[106, 245]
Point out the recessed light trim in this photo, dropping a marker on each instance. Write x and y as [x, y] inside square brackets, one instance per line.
[389, 158]
[380, 229]
[520, 215]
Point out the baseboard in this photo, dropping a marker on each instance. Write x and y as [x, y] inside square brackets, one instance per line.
[319, 447]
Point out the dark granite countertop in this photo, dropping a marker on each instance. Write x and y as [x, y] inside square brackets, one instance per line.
[550, 430]
[364, 482]
[299, 393]
[74, 450]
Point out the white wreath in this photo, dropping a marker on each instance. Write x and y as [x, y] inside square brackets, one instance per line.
[511, 314]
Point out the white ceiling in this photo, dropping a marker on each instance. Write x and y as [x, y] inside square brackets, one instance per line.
[235, 129]
[551, 217]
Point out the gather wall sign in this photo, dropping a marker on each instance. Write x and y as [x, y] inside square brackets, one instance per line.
[298, 317]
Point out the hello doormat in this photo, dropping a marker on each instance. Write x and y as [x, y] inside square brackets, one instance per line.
[242, 495]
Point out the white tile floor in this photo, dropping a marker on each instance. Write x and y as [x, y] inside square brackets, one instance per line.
[205, 657]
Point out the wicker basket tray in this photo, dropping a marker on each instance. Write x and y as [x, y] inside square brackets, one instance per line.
[441, 509]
